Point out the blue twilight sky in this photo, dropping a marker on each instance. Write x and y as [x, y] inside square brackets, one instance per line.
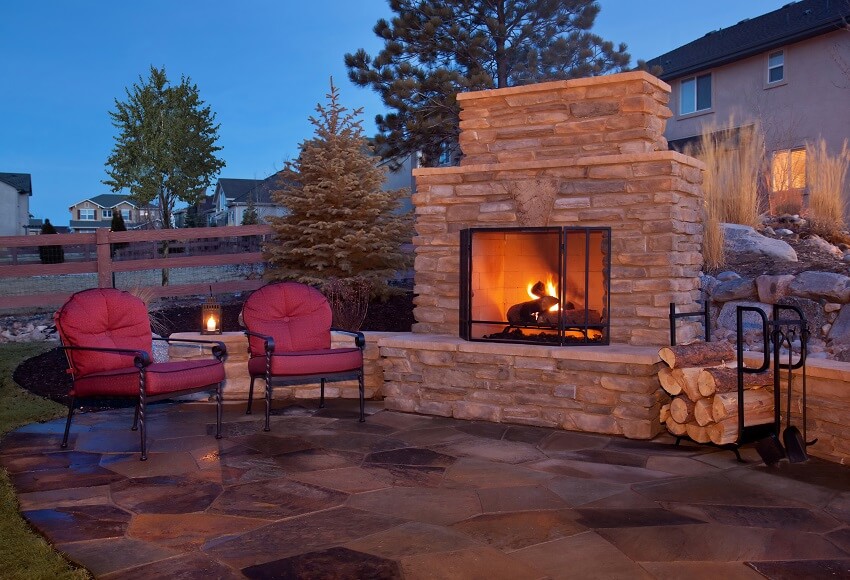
[262, 66]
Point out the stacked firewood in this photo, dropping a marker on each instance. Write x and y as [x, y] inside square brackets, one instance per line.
[704, 386]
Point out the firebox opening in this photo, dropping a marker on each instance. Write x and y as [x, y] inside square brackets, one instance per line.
[535, 285]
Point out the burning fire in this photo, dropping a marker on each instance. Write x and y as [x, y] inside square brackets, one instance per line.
[551, 290]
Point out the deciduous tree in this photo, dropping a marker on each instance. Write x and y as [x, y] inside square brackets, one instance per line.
[436, 48]
[340, 224]
[165, 149]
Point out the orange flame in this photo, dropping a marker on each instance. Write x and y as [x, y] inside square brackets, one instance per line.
[551, 290]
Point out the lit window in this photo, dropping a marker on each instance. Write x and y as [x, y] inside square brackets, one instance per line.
[87, 214]
[106, 213]
[776, 67]
[695, 94]
[788, 169]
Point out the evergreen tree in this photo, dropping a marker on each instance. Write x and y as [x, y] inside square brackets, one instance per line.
[436, 48]
[339, 223]
[165, 150]
[249, 216]
[50, 254]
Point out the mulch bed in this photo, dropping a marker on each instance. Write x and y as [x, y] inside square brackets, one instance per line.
[45, 375]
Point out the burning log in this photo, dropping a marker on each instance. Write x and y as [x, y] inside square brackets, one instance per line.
[525, 313]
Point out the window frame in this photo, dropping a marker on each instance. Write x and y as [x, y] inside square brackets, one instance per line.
[106, 214]
[780, 66]
[87, 214]
[696, 94]
[125, 214]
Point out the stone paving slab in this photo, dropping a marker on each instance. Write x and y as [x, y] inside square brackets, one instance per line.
[407, 496]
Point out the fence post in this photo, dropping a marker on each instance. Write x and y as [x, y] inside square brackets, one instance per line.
[104, 259]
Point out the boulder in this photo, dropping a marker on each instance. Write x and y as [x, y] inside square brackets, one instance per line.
[747, 243]
[771, 289]
[738, 289]
[827, 286]
[728, 317]
[812, 311]
[840, 331]
[818, 244]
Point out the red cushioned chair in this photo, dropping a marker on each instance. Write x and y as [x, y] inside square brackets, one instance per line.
[289, 342]
[106, 335]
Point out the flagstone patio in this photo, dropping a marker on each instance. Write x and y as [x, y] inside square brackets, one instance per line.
[409, 496]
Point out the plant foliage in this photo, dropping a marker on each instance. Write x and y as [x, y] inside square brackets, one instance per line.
[339, 222]
[434, 49]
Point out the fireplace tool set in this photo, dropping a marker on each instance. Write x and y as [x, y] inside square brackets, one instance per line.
[786, 330]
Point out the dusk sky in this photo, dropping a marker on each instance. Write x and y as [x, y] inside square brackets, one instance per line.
[261, 65]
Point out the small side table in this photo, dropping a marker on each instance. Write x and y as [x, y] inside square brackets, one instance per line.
[237, 380]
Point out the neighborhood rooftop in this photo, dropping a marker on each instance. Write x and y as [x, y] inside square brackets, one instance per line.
[792, 23]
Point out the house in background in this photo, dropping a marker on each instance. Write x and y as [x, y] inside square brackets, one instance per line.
[233, 196]
[15, 192]
[96, 212]
[788, 70]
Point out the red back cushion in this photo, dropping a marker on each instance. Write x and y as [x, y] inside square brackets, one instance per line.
[298, 317]
[104, 318]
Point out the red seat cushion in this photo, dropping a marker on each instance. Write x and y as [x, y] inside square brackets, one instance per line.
[103, 318]
[161, 378]
[308, 362]
[297, 316]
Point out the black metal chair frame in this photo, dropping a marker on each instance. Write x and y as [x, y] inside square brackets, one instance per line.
[277, 381]
[141, 360]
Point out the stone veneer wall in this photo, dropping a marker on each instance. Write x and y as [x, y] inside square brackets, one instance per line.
[569, 153]
[595, 389]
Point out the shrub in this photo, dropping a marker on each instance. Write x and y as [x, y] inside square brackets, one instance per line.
[349, 300]
[826, 175]
[50, 254]
[734, 159]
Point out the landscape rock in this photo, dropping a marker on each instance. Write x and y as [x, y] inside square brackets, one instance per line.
[827, 286]
[784, 232]
[728, 275]
[812, 311]
[840, 331]
[771, 289]
[747, 243]
[818, 244]
[728, 317]
[737, 289]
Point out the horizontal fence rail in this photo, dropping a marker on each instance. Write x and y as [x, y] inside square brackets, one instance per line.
[104, 254]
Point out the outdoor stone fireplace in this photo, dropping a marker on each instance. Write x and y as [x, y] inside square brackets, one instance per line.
[547, 158]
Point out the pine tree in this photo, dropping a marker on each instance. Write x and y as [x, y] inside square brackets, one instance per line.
[50, 254]
[339, 223]
[434, 49]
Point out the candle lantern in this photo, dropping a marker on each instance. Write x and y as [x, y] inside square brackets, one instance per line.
[211, 316]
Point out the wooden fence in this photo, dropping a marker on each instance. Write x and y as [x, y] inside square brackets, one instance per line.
[95, 254]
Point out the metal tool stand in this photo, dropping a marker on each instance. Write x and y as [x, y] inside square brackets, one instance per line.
[779, 332]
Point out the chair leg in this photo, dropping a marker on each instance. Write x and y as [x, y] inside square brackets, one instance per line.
[362, 388]
[250, 396]
[268, 403]
[322, 394]
[135, 419]
[68, 422]
[218, 411]
[141, 411]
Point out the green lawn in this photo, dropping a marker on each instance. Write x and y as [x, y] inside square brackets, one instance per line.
[24, 554]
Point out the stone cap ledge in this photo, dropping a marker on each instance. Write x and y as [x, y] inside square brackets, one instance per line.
[616, 159]
[568, 84]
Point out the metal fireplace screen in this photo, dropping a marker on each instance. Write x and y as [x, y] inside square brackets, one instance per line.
[535, 285]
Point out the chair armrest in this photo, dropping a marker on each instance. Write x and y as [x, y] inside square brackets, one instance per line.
[269, 341]
[141, 359]
[219, 349]
[359, 338]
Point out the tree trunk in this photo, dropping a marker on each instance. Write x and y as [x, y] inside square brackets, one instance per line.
[697, 354]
